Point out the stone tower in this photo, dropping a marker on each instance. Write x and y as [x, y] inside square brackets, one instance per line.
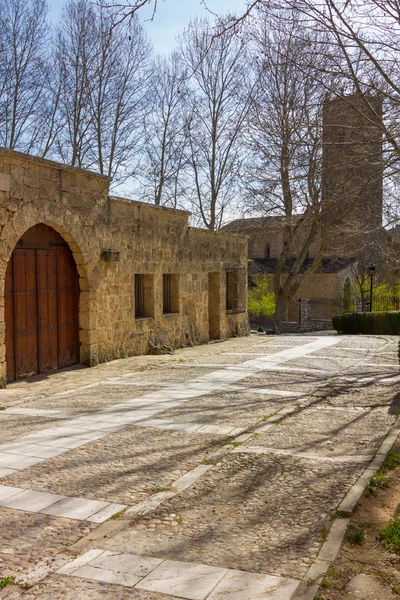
[352, 170]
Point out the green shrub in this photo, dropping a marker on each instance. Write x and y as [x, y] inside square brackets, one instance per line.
[391, 462]
[355, 536]
[373, 323]
[261, 329]
[261, 299]
[390, 535]
[374, 483]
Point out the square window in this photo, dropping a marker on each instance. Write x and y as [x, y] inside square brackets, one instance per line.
[170, 293]
[144, 296]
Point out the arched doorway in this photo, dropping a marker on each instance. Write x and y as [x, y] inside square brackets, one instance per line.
[41, 305]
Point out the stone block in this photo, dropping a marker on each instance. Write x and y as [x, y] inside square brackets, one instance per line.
[17, 183]
[5, 182]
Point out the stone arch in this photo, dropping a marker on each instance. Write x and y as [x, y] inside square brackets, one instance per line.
[67, 225]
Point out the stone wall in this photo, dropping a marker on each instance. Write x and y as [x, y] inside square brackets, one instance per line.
[306, 323]
[111, 240]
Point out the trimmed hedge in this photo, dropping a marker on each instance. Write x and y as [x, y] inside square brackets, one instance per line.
[368, 323]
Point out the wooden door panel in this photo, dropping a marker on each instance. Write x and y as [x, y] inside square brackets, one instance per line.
[47, 309]
[41, 305]
[68, 297]
[25, 313]
[9, 319]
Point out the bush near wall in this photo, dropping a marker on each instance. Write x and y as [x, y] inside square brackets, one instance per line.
[368, 323]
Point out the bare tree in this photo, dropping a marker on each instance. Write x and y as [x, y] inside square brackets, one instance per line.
[76, 53]
[285, 139]
[119, 96]
[217, 104]
[23, 74]
[165, 134]
[104, 75]
[128, 10]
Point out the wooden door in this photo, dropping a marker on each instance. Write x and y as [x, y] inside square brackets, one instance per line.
[41, 305]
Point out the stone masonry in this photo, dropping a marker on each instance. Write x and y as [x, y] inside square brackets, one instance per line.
[113, 239]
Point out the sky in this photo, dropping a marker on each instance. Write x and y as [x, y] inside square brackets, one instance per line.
[171, 17]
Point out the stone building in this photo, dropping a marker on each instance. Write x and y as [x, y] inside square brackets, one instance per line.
[352, 199]
[87, 277]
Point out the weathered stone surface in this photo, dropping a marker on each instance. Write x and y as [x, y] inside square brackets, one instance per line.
[266, 513]
[366, 587]
[147, 240]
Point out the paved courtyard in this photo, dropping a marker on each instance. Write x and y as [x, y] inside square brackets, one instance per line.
[223, 472]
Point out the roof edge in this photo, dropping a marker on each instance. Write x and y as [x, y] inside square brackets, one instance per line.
[148, 205]
[52, 163]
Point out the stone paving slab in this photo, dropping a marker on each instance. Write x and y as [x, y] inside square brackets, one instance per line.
[238, 585]
[249, 513]
[26, 538]
[189, 581]
[122, 468]
[75, 508]
[8, 491]
[14, 427]
[30, 501]
[185, 580]
[11, 461]
[32, 450]
[56, 587]
[106, 513]
[4, 472]
[57, 505]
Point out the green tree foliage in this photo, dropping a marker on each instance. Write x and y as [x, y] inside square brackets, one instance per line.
[261, 299]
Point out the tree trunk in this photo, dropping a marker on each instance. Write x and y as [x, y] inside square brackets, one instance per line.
[282, 305]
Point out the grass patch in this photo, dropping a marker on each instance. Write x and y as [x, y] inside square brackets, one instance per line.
[325, 585]
[391, 462]
[333, 573]
[355, 536]
[375, 483]
[119, 514]
[390, 535]
[231, 443]
[324, 533]
[6, 581]
[338, 514]
[179, 519]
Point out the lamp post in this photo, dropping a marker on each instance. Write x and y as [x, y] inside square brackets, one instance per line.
[371, 270]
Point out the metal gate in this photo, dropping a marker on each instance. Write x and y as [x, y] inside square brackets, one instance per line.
[41, 305]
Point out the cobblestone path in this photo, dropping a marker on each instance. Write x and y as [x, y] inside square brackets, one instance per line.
[216, 473]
